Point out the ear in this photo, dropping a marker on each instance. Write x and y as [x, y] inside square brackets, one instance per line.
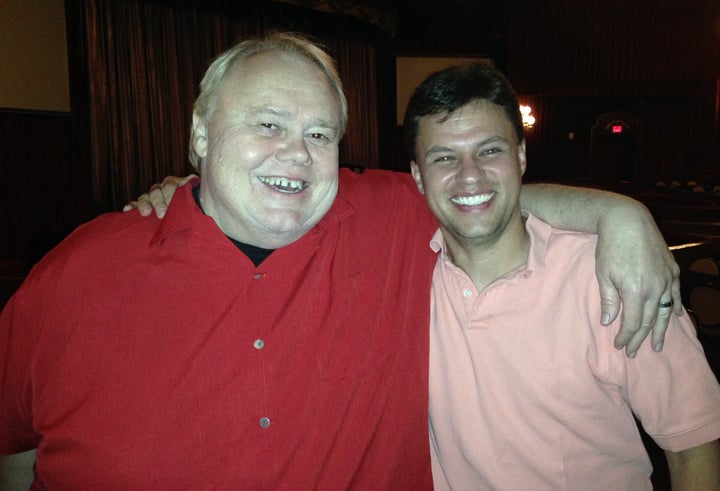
[522, 157]
[199, 135]
[415, 170]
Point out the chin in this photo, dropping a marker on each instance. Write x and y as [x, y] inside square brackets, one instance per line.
[289, 226]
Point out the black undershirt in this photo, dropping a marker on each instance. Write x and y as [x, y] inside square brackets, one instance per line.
[256, 254]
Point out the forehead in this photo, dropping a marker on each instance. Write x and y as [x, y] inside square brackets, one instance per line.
[273, 78]
[477, 115]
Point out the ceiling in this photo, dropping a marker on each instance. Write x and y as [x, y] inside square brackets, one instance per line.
[446, 26]
[409, 26]
[480, 27]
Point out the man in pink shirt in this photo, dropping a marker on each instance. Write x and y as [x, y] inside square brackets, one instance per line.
[553, 409]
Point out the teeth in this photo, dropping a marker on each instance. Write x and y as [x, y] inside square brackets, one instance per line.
[475, 200]
[283, 184]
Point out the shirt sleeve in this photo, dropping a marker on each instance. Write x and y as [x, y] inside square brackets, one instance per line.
[16, 347]
[674, 394]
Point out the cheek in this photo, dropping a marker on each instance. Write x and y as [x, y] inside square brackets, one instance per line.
[238, 149]
[325, 161]
[437, 179]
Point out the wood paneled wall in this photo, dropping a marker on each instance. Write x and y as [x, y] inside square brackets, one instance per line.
[46, 181]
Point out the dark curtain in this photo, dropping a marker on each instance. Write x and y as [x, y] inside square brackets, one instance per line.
[615, 47]
[658, 59]
[359, 74]
[145, 60]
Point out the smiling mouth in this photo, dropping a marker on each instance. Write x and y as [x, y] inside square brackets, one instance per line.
[475, 200]
[283, 184]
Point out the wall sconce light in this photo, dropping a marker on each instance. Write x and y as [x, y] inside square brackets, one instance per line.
[528, 120]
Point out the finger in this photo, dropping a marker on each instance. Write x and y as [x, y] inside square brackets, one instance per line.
[158, 200]
[637, 340]
[143, 205]
[161, 207]
[661, 325]
[677, 299]
[130, 206]
[186, 179]
[173, 181]
[632, 318]
[655, 320]
[609, 301]
[155, 189]
[649, 318]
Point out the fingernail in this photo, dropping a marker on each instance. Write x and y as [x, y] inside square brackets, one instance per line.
[605, 319]
[659, 346]
[632, 354]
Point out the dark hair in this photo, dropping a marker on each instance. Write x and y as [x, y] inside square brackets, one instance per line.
[448, 90]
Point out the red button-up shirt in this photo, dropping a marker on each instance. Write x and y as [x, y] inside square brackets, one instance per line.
[148, 354]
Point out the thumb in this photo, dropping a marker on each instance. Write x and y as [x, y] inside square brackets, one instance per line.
[609, 301]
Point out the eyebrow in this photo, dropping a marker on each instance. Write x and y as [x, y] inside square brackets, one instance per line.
[441, 148]
[265, 110]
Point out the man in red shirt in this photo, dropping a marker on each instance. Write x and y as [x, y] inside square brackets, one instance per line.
[272, 330]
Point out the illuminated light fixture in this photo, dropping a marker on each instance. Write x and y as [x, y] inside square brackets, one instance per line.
[528, 120]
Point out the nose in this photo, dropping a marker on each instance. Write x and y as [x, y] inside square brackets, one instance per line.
[294, 151]
[470, 170]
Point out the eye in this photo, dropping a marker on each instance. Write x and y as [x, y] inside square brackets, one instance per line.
[442, 159]
[491, 151]
[269, 126]
[321, 138]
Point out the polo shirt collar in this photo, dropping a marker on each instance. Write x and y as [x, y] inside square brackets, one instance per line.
[538, 230]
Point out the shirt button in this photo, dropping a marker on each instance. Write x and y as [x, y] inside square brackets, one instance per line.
[258, 276]
[264, 422]
[259, 344]
[468, 293]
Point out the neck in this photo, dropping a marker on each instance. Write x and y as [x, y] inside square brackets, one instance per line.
[486, 260]
[232, 226]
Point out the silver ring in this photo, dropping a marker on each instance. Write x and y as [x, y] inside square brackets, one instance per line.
[664, 305]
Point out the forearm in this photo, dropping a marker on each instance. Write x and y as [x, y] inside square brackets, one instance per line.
[581, 209]
[16, 471]
[696, 468]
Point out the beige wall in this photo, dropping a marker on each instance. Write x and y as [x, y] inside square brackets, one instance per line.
[33, 55]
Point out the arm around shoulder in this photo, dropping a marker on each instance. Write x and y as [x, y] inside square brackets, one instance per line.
[634, 265]
[158, 197]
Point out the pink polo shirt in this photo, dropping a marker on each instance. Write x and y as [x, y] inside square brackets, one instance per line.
[528, 392]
